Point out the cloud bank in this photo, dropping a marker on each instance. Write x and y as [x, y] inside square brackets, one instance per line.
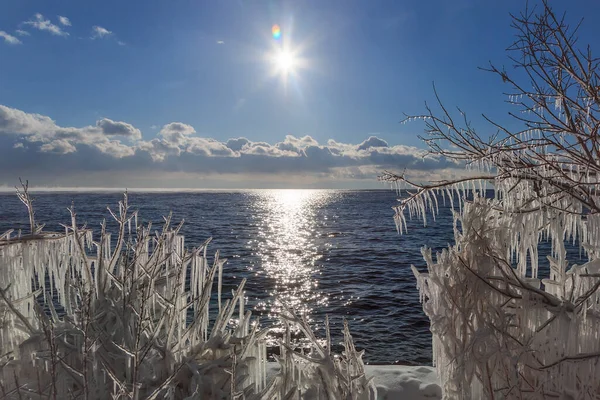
[107, 152]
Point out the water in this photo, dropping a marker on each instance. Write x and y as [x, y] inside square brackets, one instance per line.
[321, 251]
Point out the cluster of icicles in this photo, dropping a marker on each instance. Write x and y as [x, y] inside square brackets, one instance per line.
[98, 318]
[500, 330]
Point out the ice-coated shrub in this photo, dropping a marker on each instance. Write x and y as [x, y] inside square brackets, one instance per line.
[505, 324]
[92, 316]
[319, 374]
[132, 318]
[501, 330]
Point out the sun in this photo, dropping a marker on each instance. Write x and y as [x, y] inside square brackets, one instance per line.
[284, 61]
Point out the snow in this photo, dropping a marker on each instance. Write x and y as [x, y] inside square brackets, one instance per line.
[404, 382]
[395, 381]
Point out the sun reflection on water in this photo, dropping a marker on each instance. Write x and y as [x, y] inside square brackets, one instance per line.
[289, 249]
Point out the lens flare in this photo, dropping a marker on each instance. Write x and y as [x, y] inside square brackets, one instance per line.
[276, 31]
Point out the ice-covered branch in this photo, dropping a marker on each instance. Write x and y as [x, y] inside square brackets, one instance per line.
[505, 324]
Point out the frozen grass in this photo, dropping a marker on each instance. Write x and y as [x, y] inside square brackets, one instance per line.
[91, 316]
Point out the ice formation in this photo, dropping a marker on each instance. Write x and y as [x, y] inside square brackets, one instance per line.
[127, 317]
[505, 325]
[500, 328]
[320, 374]
[123, 318]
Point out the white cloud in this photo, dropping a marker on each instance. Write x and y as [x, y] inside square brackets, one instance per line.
[220, 42]
[178, 138]
[21, 32]
[59, 146]
[237, 144]
[176, 132]
[18, 122]
[115, 148]
[372, 142]
[64, 20]
[159, 149]
[112, 128]
[294, 144]
[9, 38]
[57, 139]
[99, 32]
[42, 24]
[209, 148]
[118, 146]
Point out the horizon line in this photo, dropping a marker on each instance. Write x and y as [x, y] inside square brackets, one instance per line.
[67, 189]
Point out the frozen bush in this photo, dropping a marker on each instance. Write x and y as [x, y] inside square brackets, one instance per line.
[504, 326]
[124, 318]
[98, 317]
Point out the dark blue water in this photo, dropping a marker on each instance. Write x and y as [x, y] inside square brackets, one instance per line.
[323, 252]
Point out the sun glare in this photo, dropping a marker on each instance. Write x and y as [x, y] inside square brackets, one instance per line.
[284, 61]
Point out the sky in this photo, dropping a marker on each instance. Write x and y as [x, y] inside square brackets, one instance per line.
[199, 94]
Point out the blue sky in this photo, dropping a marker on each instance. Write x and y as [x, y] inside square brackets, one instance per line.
[170, 71]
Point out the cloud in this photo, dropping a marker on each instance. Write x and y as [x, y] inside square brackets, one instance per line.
[9, 38]
[209, 148]
[112, 128]
[59, 146]
[372, 142]
[237, 144]
[36, 143]
[220, 42]
[37, 128]
[64, 20]
[42, 24]
[297, 145]
[21, 32]
[114, 148]
[15, 121]
[159, 149]
[176, 132]
[99, 32]
[177, 137]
